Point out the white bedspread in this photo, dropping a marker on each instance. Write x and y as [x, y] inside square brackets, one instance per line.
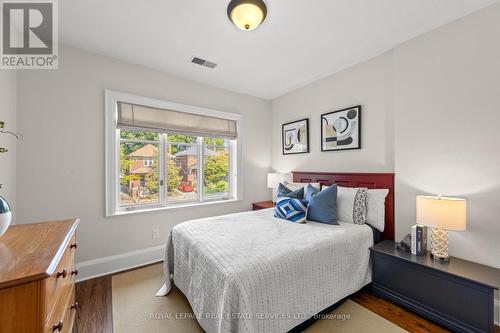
[251, 272]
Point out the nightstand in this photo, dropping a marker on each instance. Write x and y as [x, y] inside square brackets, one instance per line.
[262, 205]
[458, 295]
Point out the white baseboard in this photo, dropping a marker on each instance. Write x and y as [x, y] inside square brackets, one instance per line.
[108, 265]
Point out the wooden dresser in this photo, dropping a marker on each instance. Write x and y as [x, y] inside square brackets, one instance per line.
[37, 277]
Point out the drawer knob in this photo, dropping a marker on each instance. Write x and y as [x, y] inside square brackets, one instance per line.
[75, 272]
[74, 245]
[58, 327]
[74, 306]
[63, 273]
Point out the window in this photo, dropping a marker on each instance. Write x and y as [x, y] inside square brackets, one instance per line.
[167, 163]
[215, 167]
[139, 179]
[182, 168]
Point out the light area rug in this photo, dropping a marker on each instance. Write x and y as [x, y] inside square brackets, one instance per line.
[136, 309]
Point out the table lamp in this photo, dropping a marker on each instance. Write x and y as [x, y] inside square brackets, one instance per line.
[273, 181]
[441, 214]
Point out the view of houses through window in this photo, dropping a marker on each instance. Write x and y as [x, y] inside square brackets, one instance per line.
[185, 178]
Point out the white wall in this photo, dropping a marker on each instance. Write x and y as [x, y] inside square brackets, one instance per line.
[431, 115]
[8, 101]
[447, 102]
[61, 161]
[368, 84]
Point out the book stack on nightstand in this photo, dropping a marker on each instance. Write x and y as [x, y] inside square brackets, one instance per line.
[458, 294]
[419, 240]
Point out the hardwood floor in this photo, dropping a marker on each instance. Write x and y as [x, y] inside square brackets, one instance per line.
[403, 318]
[95, 313]
[95, 308]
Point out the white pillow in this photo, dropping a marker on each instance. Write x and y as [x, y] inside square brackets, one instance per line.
[376, 208]
[345, 203]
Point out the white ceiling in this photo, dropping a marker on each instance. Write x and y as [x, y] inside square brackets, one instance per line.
[300, 41]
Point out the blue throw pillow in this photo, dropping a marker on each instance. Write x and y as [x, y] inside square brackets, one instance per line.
[323, 206]
[291, 209]
[284, 191]
[310, 192]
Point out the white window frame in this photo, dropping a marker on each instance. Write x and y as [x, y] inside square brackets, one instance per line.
[112, 155]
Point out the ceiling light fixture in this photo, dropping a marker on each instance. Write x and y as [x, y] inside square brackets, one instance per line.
[247, 14]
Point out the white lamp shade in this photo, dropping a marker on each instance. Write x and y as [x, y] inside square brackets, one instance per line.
[273, 179]
[441, 212]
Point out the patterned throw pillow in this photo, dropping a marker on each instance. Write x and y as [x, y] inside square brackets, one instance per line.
[360, 206]
[291, 209]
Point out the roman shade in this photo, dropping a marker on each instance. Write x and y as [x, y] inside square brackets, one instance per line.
[133, 116]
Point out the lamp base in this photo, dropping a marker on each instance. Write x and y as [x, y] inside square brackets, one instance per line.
[440, 259]
[439, 245]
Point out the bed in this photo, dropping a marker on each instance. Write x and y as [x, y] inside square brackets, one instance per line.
[252, 272]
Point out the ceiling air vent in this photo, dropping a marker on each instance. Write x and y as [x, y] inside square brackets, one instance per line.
[203, 62]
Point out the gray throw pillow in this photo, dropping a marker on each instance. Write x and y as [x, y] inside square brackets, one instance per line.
[284, 191]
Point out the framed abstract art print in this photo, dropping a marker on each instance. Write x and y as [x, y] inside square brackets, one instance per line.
[341, 130]
[295, 136]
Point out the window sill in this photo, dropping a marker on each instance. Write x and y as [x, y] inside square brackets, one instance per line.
[178, 206]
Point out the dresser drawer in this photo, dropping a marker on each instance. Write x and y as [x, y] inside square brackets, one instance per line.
[61, 282]
[16, 302]
[63, 315]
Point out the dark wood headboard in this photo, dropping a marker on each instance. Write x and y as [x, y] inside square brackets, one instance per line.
[369, 180]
